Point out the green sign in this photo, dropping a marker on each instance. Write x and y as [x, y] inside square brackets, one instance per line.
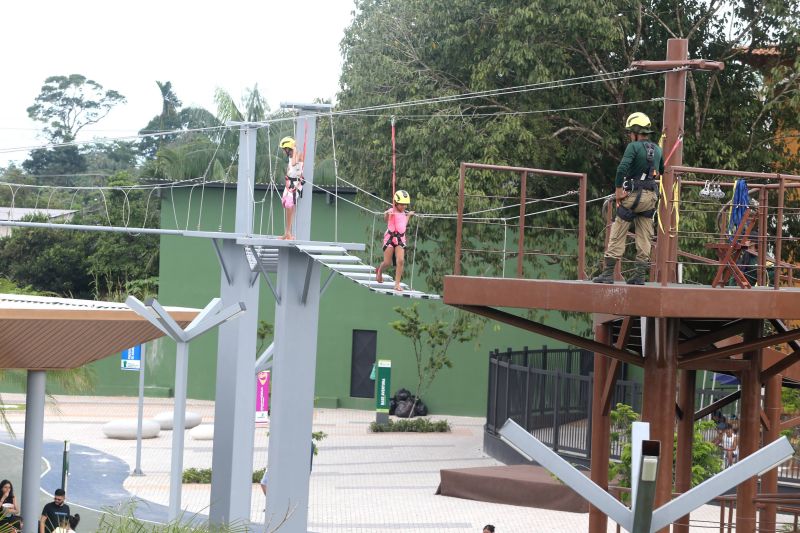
[384, 385]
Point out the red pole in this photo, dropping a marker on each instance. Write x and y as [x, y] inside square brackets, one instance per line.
[462, 174]
[749, 430]
[769, 480]
[683, 465]
[394, 160]
[674, 110]
[601, 429]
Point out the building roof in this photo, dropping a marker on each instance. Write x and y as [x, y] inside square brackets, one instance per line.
[19, 213]
[43, 333]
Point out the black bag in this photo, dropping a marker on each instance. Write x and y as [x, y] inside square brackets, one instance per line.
[404, 408]
[402, 395]
[421, 409]
[392, 405]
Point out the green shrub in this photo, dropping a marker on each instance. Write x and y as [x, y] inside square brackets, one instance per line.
[197, 475]
[417, 425]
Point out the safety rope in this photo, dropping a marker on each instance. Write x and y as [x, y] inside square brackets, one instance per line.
[414, 256]
[394, 159]
[335, 185]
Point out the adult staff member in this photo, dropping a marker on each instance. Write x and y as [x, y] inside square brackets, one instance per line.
[636, 192]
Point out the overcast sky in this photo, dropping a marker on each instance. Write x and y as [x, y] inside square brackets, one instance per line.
[289, 48]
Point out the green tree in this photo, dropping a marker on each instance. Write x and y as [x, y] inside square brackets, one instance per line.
[67, 104]
[402, 50]
[706, 460]
[54, 261]
[431, 341]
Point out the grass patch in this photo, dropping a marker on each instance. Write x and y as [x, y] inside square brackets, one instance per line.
[416, 425]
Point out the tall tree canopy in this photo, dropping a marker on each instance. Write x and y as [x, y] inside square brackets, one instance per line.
[67, 104]
[405, 50]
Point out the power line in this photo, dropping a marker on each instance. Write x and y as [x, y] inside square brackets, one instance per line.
[556, 84]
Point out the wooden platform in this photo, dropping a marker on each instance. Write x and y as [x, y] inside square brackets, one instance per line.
[523, 485]
[651, 299]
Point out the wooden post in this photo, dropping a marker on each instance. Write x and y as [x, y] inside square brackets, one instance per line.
[749, 430]
[601, 429]
[683, 466]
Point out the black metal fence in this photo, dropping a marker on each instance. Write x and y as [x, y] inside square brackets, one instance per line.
[549, 393]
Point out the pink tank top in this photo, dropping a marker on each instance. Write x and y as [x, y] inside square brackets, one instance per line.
[398, 221]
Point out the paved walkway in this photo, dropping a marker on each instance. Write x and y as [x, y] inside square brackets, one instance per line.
[361, 482]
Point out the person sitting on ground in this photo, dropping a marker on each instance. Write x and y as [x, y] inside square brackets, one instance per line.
[54, 512]
[10, 508]
[69, 524]
[394, 240]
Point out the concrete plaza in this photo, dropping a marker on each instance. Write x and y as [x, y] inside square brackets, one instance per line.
[361, 482]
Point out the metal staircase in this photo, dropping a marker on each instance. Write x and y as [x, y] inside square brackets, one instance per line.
[354, 269]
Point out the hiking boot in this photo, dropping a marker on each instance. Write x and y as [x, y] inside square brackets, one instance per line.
[641, 272]
[607, 275]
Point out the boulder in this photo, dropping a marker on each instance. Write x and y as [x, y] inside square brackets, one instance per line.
[164, 419]
[126, 429]
[202, 432]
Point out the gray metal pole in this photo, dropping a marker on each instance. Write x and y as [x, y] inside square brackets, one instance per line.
[246, 179]
[178, 430]
[305, 135]
[32, 455]
[235, 401]
[137, 470]
[292, 406]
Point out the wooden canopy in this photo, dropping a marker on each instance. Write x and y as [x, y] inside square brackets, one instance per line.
[43, 333]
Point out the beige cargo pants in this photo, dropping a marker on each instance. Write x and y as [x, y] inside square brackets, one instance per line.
[643, 228]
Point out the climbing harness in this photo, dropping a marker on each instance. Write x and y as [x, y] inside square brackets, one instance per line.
[636, 184]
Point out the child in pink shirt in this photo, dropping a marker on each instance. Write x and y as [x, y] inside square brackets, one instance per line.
[394, 240]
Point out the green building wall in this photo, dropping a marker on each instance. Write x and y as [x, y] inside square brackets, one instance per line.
[190, 277]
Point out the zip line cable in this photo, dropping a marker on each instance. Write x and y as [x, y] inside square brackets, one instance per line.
[555, 84]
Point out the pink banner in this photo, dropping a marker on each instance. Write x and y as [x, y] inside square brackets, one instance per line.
[262, 396]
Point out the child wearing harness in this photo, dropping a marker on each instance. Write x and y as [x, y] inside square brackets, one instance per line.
[294, 184]
[394, 240]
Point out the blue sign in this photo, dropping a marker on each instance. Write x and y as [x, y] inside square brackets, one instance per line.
[131, 358]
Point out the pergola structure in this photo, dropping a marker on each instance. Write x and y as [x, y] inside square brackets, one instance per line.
[40, 333]
[669, 329]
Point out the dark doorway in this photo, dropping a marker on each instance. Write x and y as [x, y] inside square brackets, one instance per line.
[365, 343]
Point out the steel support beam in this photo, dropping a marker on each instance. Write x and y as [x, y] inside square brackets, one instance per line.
[683, 465]
[741, 347]
[767, 518]
[553, 333]
[32, 453]
[719, 404]
[293, 366]
[600, 429]
[234, 407]
[660, 380]
[707, 339]
[749, 429]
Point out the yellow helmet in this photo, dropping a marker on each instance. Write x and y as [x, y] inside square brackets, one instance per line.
[402, 197]
[288, 142]
[639, 123]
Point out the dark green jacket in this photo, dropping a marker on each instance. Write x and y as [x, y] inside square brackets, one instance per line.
[634, 161]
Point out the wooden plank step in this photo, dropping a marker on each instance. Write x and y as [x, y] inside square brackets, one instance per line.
[349, 268]
[313, 249]
[368, 277]
[336, 258]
